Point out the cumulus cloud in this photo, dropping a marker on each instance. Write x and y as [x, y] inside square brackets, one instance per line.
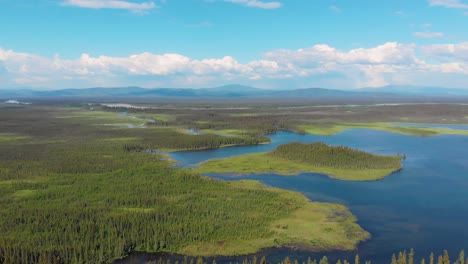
[111, 4]
[388, 53]
[447, 52]
[257, 3]
[318, 65]
[428, 34]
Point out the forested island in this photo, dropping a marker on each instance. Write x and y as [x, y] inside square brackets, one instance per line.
[289, 159]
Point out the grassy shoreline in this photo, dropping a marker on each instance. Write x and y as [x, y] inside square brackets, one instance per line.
[313, 226]
[382, 126]
[268, 162]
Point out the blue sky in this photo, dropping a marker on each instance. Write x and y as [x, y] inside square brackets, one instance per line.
[344, 44]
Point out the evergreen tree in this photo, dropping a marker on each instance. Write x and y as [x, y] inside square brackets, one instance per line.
[411, 257]
[324, 260]
[461, 258]
[446, 258]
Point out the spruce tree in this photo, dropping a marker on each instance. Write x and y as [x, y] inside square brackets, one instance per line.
[324, 260]
[446, 258]
[411, 257]
[440, 260]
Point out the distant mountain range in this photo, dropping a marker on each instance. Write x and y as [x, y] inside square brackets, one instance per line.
[419, 90]
[236, 91]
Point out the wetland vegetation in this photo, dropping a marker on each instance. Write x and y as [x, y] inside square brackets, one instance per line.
[291, 159]
[73, 190]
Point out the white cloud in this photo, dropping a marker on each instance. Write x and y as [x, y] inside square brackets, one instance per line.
[335, 9]
[319, 65]
[111, 4]
[449, 3]
[447, 52]
[257, 3]
[388, 53]
[428, 34]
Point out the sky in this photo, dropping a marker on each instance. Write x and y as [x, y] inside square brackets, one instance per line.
[283, 44]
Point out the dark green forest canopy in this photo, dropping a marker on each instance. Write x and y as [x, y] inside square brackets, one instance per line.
[73, 190]
[320, 154]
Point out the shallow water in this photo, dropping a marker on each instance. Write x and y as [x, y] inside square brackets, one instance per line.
[449, 126]
[424, 206]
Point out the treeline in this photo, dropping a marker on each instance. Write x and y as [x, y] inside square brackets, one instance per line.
[322, 155]
[257, 124]
[173, 140]
[400, 258]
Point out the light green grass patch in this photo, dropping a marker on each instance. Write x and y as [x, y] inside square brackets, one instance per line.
[7, 137]
[389, 127]
[121, 139]
[102, 117]
[264, 163]
[225, 132]
[137, 209]
[24, 193]
[159, 117]
[244, 114]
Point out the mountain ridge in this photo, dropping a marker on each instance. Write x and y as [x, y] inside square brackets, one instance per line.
[235, 91]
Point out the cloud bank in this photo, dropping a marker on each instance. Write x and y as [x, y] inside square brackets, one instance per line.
[257, 3]
[318, 65]
[111, 4]
[449, 3]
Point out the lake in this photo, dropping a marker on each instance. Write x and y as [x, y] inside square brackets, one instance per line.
[424, 206]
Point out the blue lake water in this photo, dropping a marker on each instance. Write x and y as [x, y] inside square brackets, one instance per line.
[424, 206]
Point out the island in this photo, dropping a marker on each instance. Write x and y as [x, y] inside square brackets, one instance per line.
[339, 162]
